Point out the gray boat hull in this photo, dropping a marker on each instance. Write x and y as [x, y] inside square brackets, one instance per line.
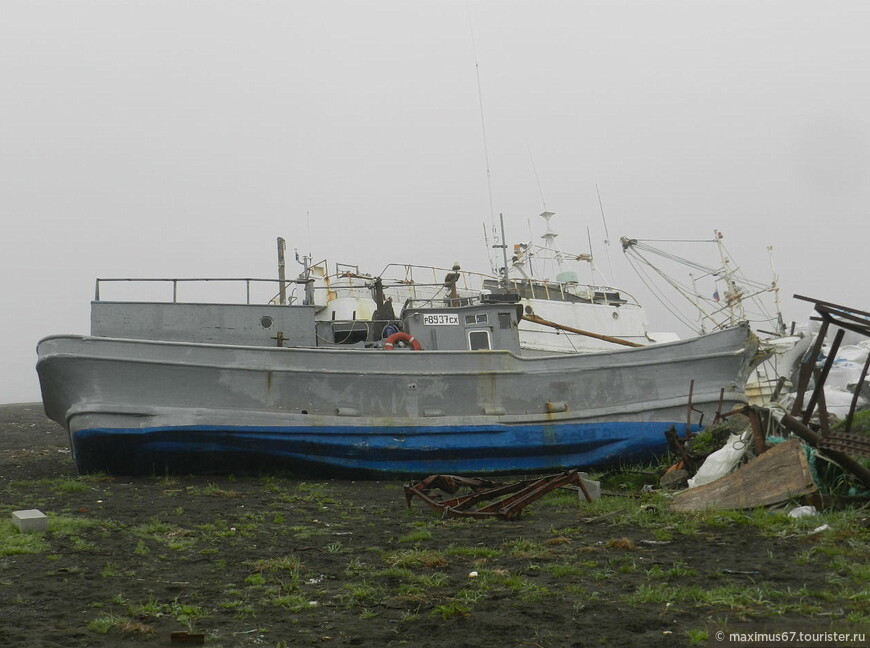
[145, 406]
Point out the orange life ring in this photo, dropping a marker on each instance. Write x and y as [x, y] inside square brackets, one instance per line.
[402, 337]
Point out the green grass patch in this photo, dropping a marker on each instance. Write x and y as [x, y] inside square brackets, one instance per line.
[416, 558]
[15, 543]
[524, 548]
[502, 580]
[105, 622]
[452, 609]
[290, 563]
[363, 593]
[476, 553]
[416, 537]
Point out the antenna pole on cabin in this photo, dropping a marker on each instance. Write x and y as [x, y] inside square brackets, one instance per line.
[503, 246]
[282, 279]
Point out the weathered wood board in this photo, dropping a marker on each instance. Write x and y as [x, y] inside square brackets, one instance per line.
[776, 476]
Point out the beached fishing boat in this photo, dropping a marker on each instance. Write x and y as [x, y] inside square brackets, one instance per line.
[440, 387]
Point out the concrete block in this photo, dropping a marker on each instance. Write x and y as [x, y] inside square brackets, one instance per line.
[30, 520]
[592, 487]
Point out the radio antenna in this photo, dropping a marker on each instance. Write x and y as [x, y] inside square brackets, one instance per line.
[537, 179]
[603, 219]
[606, 233]
[482, 128]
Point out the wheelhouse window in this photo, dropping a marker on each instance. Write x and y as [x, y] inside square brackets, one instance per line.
[478, 340]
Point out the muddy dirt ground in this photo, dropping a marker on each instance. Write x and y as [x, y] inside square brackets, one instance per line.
[274, 561]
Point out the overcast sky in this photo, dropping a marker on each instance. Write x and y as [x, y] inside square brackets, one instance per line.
[149, 138]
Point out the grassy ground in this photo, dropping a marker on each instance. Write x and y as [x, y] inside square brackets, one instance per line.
[273, 561]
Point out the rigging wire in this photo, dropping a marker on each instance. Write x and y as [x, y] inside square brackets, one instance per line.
[654, 289]
[675, 240]
[690, 294]
[760, 308]
[746, 291]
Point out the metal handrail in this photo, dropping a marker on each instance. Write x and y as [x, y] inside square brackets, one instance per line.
[444, 301]
[175, 281]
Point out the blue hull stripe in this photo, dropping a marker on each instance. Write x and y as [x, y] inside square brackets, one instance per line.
[346, 451]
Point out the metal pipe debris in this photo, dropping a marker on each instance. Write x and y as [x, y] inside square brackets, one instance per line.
[512, 497]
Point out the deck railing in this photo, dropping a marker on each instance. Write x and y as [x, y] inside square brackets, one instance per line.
[175, 282]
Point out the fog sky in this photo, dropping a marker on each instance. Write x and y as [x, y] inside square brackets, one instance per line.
[149, 138]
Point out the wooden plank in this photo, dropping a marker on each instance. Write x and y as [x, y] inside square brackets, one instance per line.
[778, 475]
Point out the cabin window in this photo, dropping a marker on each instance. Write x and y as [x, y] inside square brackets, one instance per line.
[481, 319]
[469, 319]
[504, 320]
[349, 333]
[478, 340]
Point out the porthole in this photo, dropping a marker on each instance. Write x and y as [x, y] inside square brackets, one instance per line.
[266, 322]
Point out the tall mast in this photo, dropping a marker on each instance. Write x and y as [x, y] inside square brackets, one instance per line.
[549, 237]
[733, 293]
[774, 284]
[503, 246]
[282, 277]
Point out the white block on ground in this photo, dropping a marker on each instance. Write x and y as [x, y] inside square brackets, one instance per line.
[30, 520]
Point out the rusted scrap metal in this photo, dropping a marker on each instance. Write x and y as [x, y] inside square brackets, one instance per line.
[676, 444]
[510, 498]
[858, 387]
[757, 420]
[847, 318]
[690, 407]
[821, 377]
[758, 436]
[857, 444]
[851, 319]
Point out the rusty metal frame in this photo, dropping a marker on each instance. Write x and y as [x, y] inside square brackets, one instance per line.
[821, 377]
[510, 498]
[858, 387]
[844, 317]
